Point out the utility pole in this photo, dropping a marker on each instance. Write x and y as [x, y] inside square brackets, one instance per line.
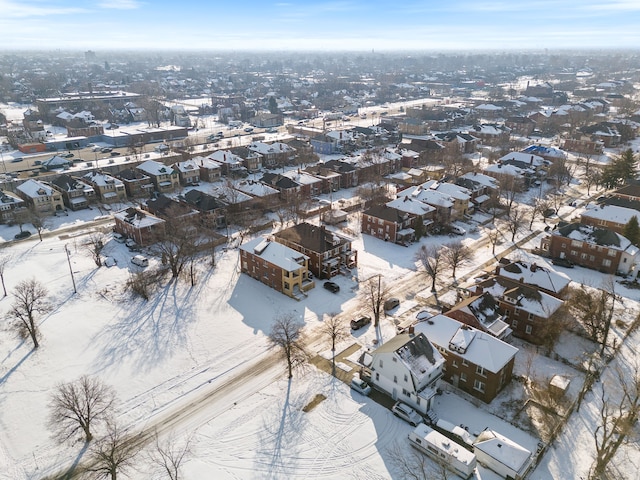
[73, 280]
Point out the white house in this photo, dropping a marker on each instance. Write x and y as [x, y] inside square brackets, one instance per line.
[502, 455]
[407, 367]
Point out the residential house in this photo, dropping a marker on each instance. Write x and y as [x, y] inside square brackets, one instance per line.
[547, 153]
[611, 217]
[40, 196]
[591, 247]
[213, 211]
[310, 185]
[167, 208]
[267, 120]
[276, 154]
[412, 126]
[408, 368]
[210, 170]
[277, 266]
[584, 145]
[76, 194]
[491, 133]
[10, 206]
[165, 179]
[510, 176]
[475, 362]
[481, 311]
[348, 172]
[136, 183]
[324, 145]
[457, 142]
[521, 125]
[443, 203]
[482, 187]
[188, 172]
[531, 274]
[530, 312]
[55, 163]
[388, 223]
[329, 180]
[328, 252]
[141, 226]
[251, 160]
[289, 189]
[232, 165]
[263, 196]
[108, 189]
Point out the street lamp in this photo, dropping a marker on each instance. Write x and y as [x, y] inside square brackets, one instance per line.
[73, 280]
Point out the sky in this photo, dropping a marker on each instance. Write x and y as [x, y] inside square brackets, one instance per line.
[324, 25]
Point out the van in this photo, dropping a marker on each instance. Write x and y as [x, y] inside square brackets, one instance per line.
[140, 261]
[443, 450]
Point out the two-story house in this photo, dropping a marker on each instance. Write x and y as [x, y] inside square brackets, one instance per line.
[136, 183]
[328, 252]
[141, 226]
[10, 206]
[475, 362]
[276, 154]
[388, 223]
[612, 217]
[213, 211]
[277, 266]
[482, 312]
[531, 274]
[108, 189]
[188, 172]
[210, 170]
[407, 367]
[597, 248]
[165, 179]
[40, 196]
[76, 194]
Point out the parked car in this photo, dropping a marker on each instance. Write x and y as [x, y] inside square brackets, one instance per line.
[360, 386]
[458, 230]
[140, 261]
[105, 149]
[360, 322]
[248, 129]
[68, 155]
[118, 237]
[406, 413]
[22, 234]
[332, 287]
[562, 262]
[17, 160]
[115, 153]
[391, 303]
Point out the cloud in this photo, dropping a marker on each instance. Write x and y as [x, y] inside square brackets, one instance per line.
[121, 4]
[11, 9]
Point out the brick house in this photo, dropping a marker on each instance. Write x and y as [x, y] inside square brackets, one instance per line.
[165, 179]
[481, 311]
[277, 266]
[542, 278]
[76, 194]
[213, 211]
[388, 223]
[475, 362]
[136, 183]
[328, 252]
[210, 170]
[188, 172]
[611, 217]
[329, 180]
[597, 248]
[139, 225]
[10, 206]
[289, 189]
[275, 154]
[109, 189]
[348, 172]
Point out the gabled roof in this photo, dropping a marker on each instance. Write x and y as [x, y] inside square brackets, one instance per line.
[284, 257]
[504, 450]
[598, 236]
[154, 168]
[535, 275]
[203, 201]
[314, 238]
[480, 348]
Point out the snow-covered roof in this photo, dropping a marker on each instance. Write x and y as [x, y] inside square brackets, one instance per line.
[598, 236]
[483, 349]
[533, 274]
[187, 166]
[155, 168]
[502, 449]
[427, 195]
[481, 179]
[223, 156]
[137, 218]
[529, 299]
[511, 170]
[265, 148]
[102, 179]
[523, 157]
[257, 189]
[610, 213]
[410, 205]
[275, 253]
[34, 188]
[301, 177]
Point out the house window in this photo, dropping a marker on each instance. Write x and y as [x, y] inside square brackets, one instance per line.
[606, 262]
[516, 311]
[611, 252]
[564, 245]
[406, 393]
[576, 243]
[591, 258]
[377, 376]
[463, 377]
[395, 379]
[478, 385]
[406, 378]
[514, 324]
[530, 316]
[464, 363]
[574, 253]
[480, 371]
[583, 256]
[528, 330]
[454, 364]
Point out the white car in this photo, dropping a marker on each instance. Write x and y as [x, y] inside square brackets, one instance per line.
[360, 386]
[407, 413]
[458, 230]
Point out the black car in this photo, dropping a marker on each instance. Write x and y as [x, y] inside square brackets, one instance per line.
[115, 153]
[22, 234]
[332, 287]
[562, 262]
[360, 322]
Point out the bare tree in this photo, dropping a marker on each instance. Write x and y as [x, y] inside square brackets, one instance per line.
[431, 259]
[169, 456]
[112, 454]
[39, 220]
[541, 207]
[78, 406]
[5, 261]
[494, 237]
[94, 246]
[286, 334]
[335, 329]
[515, 221]
[594, 309]
[618, 414]
[176, 244]
[30, 301]
[455, 254]
[375, 292]
[510, 188]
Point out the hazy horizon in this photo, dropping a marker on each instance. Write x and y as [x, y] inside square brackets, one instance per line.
[316, 25]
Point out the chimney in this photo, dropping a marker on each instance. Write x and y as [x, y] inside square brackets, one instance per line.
[534, 267]
[531, 161]
[411, 330]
